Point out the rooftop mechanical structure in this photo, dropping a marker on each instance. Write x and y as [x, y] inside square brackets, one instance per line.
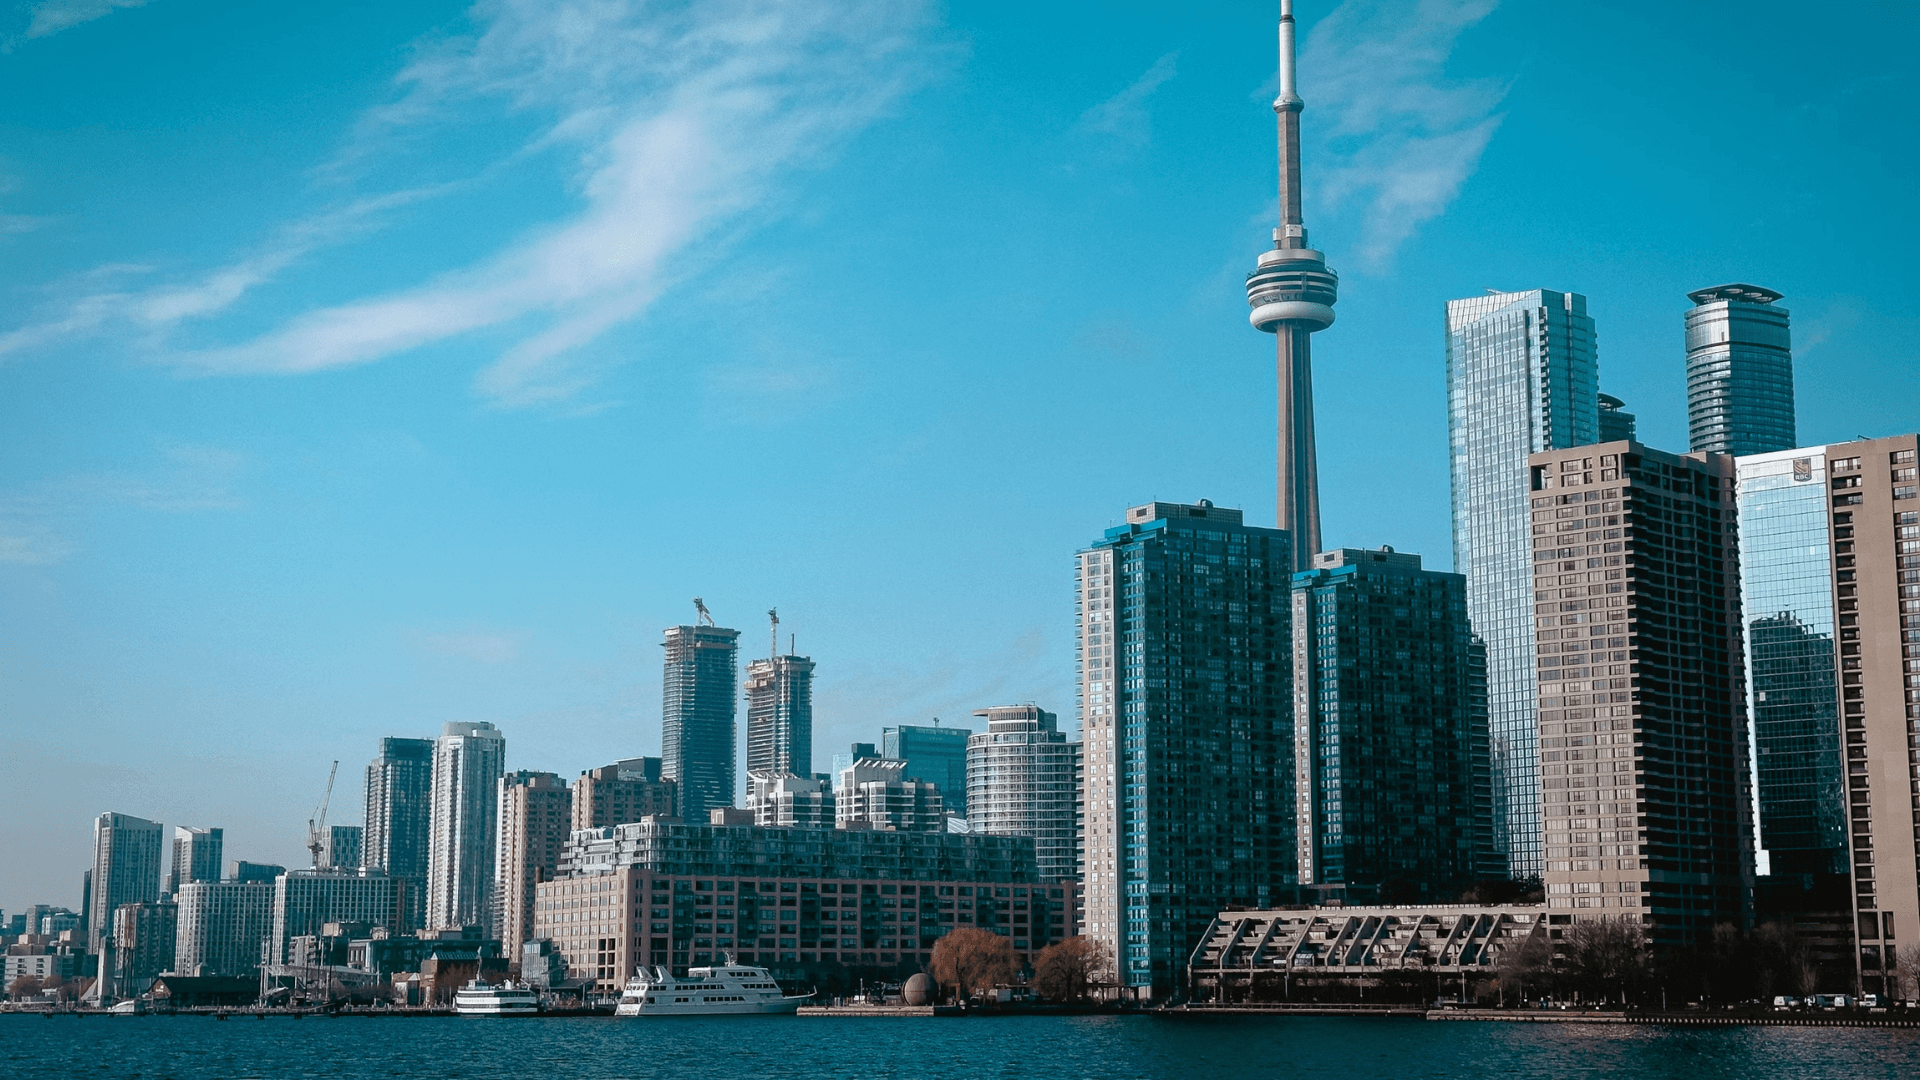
[1292, 292]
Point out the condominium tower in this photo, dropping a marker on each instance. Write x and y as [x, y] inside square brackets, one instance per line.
[1521, 379]
[697, 726]
[1739, 371]
[223, 927]
[1292, 292]
[1642, 689]
[399, 820]
[126, 870]
[624, 791]
[1181, 641]
[536, 816]
[1023, 779]
[196, 857]
[780, 715]
[468, 759]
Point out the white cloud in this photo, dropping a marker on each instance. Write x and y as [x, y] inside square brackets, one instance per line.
[1124, 116]
[681, 124]
[1403, 136]
[38, 521]
[54, 16]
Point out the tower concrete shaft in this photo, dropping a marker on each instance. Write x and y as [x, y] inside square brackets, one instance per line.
[1292, 293]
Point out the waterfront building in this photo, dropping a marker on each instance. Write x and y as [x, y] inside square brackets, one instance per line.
[196, 857]
[1392, 794]
[536, 817]
[305, 901]
[780, 712]
[143, 940]
[341, 847]
[1522, 378]
[667, 894]
[933, 755]
[874, 793]
[399, 819]
[223, 927]
[624, 791]
[1616, 423]
[1642, 689]
[1185, 715]
[786, 800]
[1292, 292]
[697, 716]
[1023, 779]
[1830, 580]
[1739, 372]
[468, 760]
[126, 870]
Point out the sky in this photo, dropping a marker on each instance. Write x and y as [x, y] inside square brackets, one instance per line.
[366, 366]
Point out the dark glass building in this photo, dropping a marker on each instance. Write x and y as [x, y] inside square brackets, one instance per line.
[1616, 423]
[1392, 797]
[698, 734]
[1184, 715]
[1739, 372]
[934, 755]
[398, 833]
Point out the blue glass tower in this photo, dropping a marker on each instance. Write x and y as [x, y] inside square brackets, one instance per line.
[1522, 378]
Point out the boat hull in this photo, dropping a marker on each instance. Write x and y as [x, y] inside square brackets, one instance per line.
[780, 1007]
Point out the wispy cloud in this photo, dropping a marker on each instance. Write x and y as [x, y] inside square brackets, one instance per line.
[680, 122]
[1404, 136]
[1124, 117]
[485, 647]
[38, 522]
[54, 16]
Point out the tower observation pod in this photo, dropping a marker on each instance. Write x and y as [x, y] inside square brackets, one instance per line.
[1292, 293]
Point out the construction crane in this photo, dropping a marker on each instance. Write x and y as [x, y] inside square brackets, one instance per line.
[773, 638]
[700, 606]
[317, 824]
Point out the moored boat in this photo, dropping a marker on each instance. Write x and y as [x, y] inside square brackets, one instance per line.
[721, 990]
[479, 999]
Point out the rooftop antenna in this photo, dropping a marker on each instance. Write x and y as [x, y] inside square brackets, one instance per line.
[773, 635]
[700, 607]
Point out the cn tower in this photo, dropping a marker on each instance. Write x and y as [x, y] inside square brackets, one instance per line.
[1292, 293]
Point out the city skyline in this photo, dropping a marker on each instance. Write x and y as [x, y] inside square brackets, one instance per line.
[183, 536]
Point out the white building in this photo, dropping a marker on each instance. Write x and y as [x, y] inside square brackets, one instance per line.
[1023, 779]
[468, 761]
[870, 794]
[304, 901]
[223, 927]
[781, 798]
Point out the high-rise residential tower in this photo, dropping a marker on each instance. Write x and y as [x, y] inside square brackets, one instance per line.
[1739, 371]
[697, 716]
[341, 847]
[1642, 689]
[1023, 779]
[624, 791]
[1522, 378]
[399, 820]
[1830, 574]
[223, 927]
[1616, 423]
[1392, 796]
[468, 759]
[780, 712]
[126, 870]
[1292, 293]
[536, 816]
[1185, 719]
[196, 857]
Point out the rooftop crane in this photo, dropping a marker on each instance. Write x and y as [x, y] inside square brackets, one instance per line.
[317, 824]
[700, 607]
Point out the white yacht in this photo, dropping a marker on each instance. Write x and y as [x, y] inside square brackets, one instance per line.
[723, 990]
[478, 999]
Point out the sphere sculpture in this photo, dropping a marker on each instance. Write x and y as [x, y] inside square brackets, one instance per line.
[918, 991]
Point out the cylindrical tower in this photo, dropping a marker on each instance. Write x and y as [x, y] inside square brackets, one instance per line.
[1292, 292]
[1739, 371]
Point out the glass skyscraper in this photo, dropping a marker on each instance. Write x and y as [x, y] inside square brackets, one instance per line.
[1739, 371]
[1522, 378]
[697, 731]
[1786, 594]
[1185, 721]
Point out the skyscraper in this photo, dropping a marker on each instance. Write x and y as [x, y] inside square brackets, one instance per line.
[536, 816]
[399, 820]
[621, 792]
[1023, 779]
[780, 712]
[1642, 689]
[1616, 423]
[468, 759]
[697, 726]
[305, 901]
[1292, 293]
[1830, 572]
[933, 755]
[223, 927]
[143, 938]
[1392, 796]
[196, 857]
[1522, 378]
[126, 870]
[1185, 717]
[1739, 371]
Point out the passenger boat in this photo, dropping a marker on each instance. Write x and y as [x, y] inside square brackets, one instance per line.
[723, 990]
[479, 999]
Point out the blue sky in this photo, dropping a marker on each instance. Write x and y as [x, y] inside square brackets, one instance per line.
[366, 366]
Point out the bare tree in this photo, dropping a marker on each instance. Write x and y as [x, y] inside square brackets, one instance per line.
[971, 960]
[1529, 958]
[1607, 958]
[24, 986]
[1906, 972]
[1064, 970]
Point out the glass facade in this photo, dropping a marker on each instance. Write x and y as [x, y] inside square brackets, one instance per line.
[1522, 378]
[1185, 720]
[1739, 372]
[697, 729]
[1786, 593]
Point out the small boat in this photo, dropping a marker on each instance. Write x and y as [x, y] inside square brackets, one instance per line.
[479, 999]
[725, 990]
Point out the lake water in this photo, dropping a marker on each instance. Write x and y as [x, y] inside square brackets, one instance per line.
[1059, 1048]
